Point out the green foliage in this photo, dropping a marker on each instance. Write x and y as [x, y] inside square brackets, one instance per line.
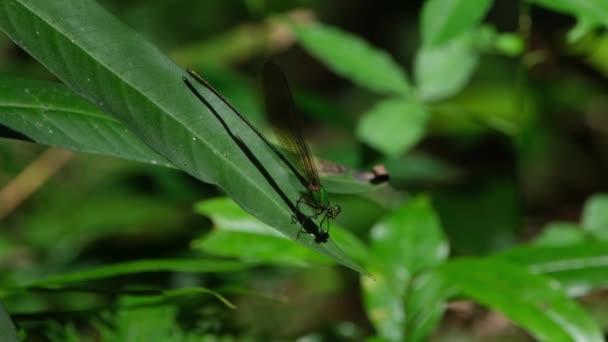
[443, 20]
[495, 139]
[7, 329]
[388, 117]
[176, 126]
[353, 58]
[540, 306]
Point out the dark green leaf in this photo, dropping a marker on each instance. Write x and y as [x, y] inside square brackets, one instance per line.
[107, 63]
[49, 113]
[393, 126]
[443, 20]
[353, 58]
[8, 332]
[535, 303]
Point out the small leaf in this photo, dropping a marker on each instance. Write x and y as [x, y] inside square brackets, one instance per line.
[393, 126]
[560, 234]
[535, 303]
[442, 71]
[595, 216]
[353, 58]
[405, 243]
[443, 20]
[589, 10]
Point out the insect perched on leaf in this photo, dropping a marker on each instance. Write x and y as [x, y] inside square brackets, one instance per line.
[287, 127]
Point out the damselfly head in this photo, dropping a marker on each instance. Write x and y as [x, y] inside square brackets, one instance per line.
[333, 212]
[321, 237]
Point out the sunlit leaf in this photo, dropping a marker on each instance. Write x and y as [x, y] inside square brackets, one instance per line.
[443, 20]
[443, 70]
[405, 243]
[393, 126]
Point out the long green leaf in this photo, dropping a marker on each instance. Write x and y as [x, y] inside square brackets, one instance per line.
[532, 301]
[443, 20]
[139, 266]
[580, 268]
[353, 58]
[49, 113]
[107, 63]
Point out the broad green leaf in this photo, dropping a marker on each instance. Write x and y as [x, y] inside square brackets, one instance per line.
[590, 10]
[8, 332]
[353, 58]
[238, 234]
[425, 305]
[110, 65]
[580, 268]
[537, 304]
[443, 70]
[595, 216]
[134, 267]
[393, 126]
[49, 113]
[405, 243]
[443, 20]
[560, 234]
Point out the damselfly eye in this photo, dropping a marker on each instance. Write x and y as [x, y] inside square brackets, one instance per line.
[337, 210]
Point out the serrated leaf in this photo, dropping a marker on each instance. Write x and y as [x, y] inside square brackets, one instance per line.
[353, 58]
[535, 303]
[443, 70]
[393, 126]
[107, 63]
[443, 20]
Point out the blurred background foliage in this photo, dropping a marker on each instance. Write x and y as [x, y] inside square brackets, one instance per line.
[490, 118]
